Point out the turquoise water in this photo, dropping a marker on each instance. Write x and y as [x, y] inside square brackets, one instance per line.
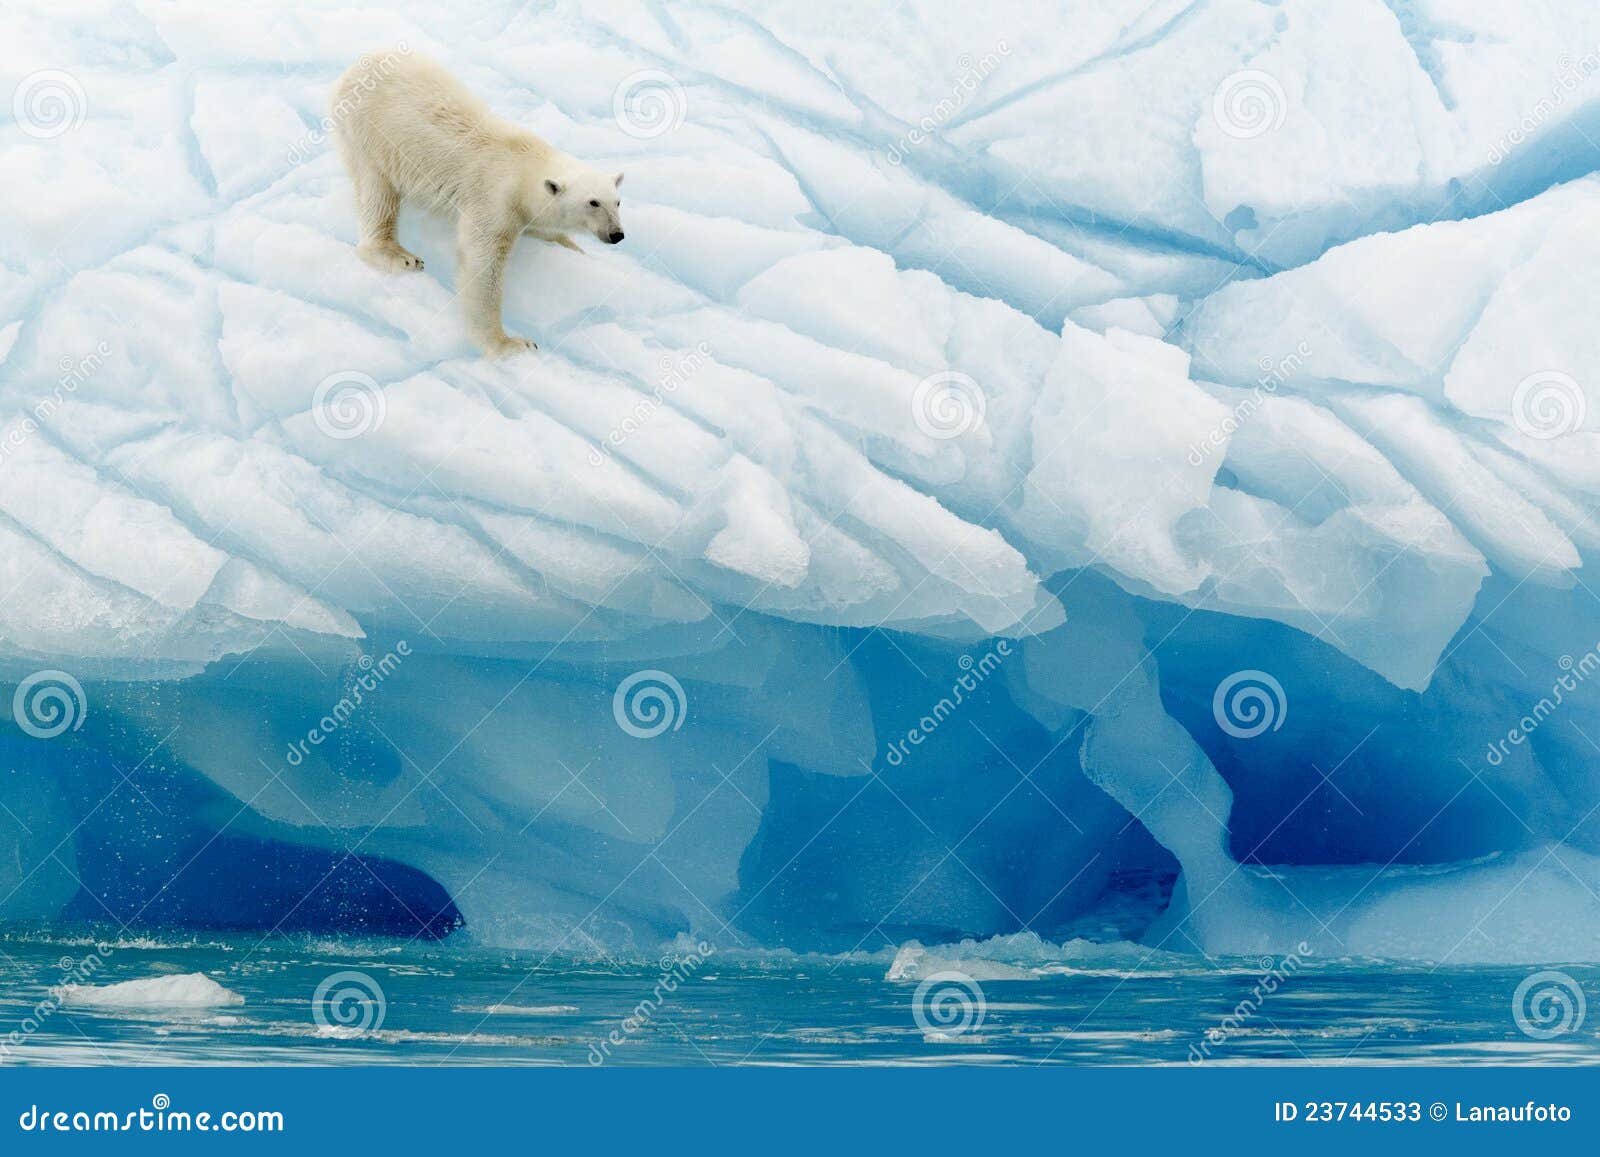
[452, 1004]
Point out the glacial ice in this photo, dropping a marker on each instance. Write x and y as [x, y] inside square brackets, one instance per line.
[188, 990]
[945, 473]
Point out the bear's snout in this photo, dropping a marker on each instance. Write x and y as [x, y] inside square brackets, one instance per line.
[614, 237]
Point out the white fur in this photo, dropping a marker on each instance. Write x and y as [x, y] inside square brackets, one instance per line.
[409, 131]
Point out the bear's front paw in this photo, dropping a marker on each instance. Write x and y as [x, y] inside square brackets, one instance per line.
[506, 346]
[389, 258]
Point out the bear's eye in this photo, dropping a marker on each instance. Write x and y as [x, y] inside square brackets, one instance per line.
[594, 204]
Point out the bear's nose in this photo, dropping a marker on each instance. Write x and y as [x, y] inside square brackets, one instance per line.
[615, 237]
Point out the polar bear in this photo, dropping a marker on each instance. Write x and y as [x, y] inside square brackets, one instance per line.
[408, 130]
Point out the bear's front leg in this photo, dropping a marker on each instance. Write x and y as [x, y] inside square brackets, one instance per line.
[481, 277]
[560, 239]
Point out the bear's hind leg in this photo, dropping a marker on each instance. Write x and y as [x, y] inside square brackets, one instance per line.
[377, 210]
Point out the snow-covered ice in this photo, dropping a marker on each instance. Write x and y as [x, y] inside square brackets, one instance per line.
[188, 990]
[1160, 343]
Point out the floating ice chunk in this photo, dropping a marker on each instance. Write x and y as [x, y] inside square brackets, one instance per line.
[1027, 956]
[913, 962]
[189, 990]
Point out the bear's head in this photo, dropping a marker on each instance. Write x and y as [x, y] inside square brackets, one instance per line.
[584, 201]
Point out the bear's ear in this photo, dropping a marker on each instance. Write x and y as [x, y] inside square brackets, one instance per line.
[552, 188]
[617, 180]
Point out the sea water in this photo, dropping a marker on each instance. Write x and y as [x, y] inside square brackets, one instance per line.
[295, 1000]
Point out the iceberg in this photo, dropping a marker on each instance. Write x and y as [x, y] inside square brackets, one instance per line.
[1121, 474]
